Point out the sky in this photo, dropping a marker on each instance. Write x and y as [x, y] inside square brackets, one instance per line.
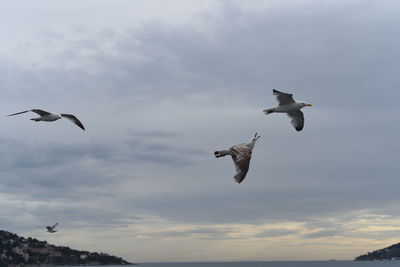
[160, 86]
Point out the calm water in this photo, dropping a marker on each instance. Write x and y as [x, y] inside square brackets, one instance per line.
[275, 264]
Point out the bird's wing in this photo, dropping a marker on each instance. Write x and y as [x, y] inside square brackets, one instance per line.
[73, 119]
[40, 112]
[18, 113]
[37, 111]
[283, 98]
[54, 226]
[242, 163]
[297, 119]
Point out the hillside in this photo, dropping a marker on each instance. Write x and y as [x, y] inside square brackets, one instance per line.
[16, 250]
[389, 253]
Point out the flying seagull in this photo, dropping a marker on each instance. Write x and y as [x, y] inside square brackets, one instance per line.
[241, 155]
[47, 116]
[50, 229]
[291, 107]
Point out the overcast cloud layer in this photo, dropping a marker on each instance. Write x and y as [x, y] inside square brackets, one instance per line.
[159, 88]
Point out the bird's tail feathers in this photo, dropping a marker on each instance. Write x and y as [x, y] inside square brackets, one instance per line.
[36, 119]
[268, 111]
[221, 153]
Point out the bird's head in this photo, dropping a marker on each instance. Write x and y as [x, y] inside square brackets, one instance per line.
[254, 140]
[306, 105]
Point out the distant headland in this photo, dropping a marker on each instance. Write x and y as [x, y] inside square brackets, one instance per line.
[384, 254]
[20, 251]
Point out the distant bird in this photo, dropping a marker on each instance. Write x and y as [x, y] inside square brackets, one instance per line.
[291, 107]
[241, 155]
[50, 229]
[47, 116]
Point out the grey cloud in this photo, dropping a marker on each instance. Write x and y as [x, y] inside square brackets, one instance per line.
[276, 233]
[377, 235]
[69, 216]
[61, 170]
[27, 156]
[343, 231]
[323, 233]
[155, 134]
[161, 153]
[235, 51]
[24, 155]
[85, 216]
[214, 207]
[55, 168]
[200, 232]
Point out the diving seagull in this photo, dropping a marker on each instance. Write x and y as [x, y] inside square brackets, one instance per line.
[241, 155]
[291, 107]
[47, 116]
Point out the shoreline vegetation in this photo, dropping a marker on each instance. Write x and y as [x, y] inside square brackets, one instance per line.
[30, 252]
[391, 253]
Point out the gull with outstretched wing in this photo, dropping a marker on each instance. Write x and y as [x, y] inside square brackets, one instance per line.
[47, 116]
[290, 107]
[50, 229]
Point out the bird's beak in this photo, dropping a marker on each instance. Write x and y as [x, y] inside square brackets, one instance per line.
[308, 105]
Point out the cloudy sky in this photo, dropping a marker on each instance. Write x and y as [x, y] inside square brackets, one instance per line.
[160, 86]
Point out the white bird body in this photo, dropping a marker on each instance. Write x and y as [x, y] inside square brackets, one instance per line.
[241, 156]
[50, 117]
[290, 107]
[51, 230]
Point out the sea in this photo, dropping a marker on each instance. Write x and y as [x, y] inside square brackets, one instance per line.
[274, 264]
[279, 264]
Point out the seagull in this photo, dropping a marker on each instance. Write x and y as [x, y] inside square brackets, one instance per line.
[50, 229]
[47, 116]
[241, 155]
[291, 107]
